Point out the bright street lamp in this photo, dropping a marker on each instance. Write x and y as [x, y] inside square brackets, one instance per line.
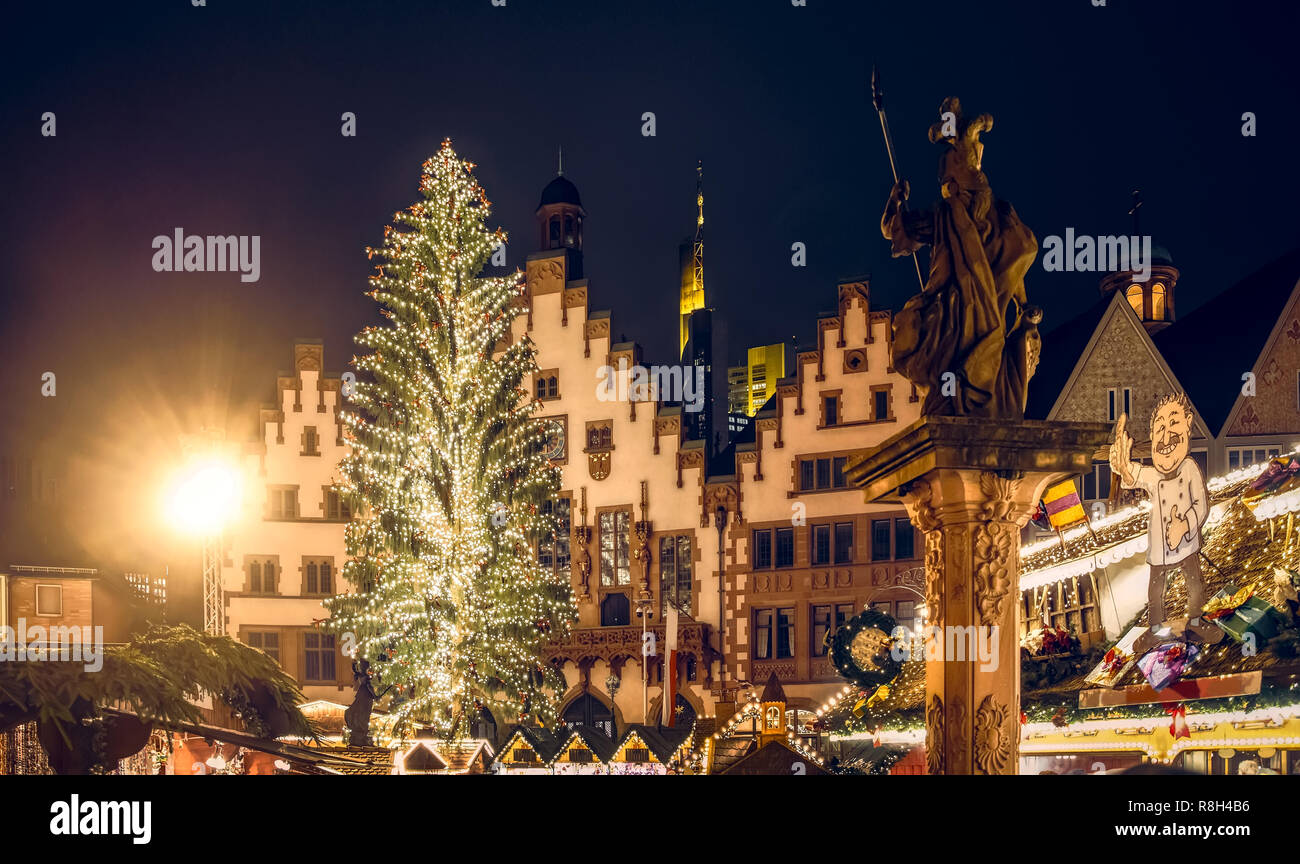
[204, 499]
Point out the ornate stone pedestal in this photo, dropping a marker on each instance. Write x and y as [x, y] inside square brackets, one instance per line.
[970, 485]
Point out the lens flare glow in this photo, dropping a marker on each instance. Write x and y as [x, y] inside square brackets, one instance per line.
[205, 498]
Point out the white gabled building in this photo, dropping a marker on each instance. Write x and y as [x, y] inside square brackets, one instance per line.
[286, 551]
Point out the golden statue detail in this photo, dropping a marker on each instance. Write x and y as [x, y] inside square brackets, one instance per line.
[969, 340]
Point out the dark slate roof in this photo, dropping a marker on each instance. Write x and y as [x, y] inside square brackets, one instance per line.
[729, 751]
[544, 742]
[1236, 324]
[598, 742]
[560, 191]
[775, 757]
[1062, 348]
[773, 691]
[663, 741]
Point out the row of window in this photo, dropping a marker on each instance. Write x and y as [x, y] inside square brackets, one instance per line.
[1244, 457]
[263, 578]
[318, 653]
[548, 387]
[775, 635]
[832, 543]
[282, 503]
[831, 415]
[826, 472]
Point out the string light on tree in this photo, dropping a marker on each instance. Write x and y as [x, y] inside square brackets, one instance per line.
[449, 606]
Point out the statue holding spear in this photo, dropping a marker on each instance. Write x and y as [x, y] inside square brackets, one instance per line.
[969, 340]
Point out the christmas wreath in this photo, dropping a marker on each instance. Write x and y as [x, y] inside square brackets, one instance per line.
[862, 649]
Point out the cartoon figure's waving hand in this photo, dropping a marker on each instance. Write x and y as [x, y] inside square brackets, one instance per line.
[1120, 451]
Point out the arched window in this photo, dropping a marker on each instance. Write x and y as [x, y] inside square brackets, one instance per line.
[326, 578]
[255, 577]
[685, 713]
[589, 711]
[552, 387]
[569, 236]
[541, 388]
[484, 726]
[1134, 297]
[1158, 301]
[313, 582]
[555, 232]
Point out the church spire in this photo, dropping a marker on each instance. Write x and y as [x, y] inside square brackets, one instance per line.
[697, 252]
[692, 284]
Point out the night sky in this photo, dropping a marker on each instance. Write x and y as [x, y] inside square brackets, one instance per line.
[225, 120]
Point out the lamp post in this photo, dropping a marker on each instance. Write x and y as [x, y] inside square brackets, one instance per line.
[643, 611]
[203, 501]
[611, 687]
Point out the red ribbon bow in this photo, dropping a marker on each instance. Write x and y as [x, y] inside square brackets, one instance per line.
[1178, 728]
[1114, 660]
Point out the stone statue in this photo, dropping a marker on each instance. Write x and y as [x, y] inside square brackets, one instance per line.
[969, 340]
[357, 716]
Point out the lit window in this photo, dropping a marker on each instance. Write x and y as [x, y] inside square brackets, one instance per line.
[773, 634]
[615, 547]
[675, 572]
[1158, 301]
[553, 550]
[1134, 297]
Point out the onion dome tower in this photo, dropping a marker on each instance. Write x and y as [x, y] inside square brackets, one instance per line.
[1152, 300]
[559, 219]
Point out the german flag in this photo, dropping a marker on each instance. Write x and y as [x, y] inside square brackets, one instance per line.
[1063, 505]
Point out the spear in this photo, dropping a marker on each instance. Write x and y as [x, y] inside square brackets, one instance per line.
[878, 101]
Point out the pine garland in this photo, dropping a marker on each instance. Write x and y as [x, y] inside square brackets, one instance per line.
[157, 677]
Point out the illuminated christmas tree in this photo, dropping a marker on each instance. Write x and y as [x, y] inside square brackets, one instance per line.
[450, 606]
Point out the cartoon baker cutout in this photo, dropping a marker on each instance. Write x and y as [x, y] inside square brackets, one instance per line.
[1179, 507]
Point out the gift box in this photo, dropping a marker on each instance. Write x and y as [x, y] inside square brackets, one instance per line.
[1166, 664]
[1238, 612]
[1118, 660]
